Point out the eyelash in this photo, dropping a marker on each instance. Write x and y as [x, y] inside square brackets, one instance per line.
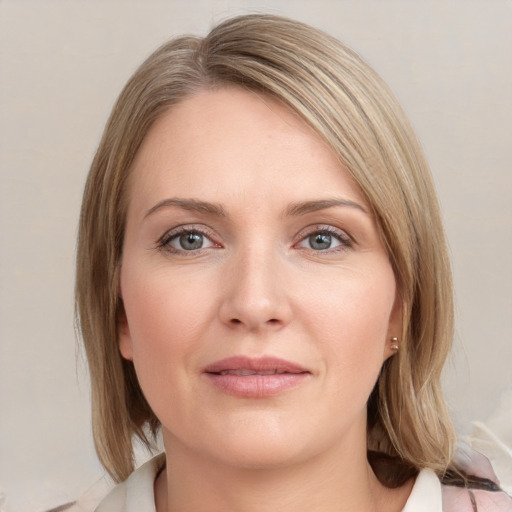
[345, 241]
[164, 243]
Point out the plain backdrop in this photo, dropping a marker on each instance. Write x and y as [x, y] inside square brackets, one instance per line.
[63, 64]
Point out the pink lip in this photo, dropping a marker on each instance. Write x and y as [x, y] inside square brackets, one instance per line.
[262, 377]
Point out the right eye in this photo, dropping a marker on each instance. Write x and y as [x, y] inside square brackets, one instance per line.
[186, 240]
[321, 241]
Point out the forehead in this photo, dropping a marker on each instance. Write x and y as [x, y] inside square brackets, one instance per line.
[234, 141]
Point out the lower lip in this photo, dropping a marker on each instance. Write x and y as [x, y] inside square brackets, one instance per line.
[256, 386]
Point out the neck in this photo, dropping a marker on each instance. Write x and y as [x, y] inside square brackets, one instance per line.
[338, 481]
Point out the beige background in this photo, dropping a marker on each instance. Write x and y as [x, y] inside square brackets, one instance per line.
[62, 65]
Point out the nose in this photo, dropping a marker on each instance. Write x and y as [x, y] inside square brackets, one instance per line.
[255, 296]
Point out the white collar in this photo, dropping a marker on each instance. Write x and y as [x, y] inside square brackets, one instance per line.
[426, 493]
[136, 493]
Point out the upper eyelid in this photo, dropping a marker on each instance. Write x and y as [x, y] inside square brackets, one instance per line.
[346, 241]
[185, 228]
[319, 228]
[188, 228]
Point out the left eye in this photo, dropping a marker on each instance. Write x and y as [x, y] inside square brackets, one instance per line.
[189, 241]
[321, 241]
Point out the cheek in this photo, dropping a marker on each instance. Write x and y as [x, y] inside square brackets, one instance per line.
[159, 302]
[165, 318]
[356, 307]
[350, 318]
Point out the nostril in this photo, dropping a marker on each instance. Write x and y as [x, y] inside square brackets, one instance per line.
[271, 321]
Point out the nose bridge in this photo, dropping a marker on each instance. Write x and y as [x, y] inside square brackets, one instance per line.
[255, 296]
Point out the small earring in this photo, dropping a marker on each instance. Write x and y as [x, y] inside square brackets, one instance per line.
[394, 344]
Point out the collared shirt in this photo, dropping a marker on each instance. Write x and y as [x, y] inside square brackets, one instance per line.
[136, 494]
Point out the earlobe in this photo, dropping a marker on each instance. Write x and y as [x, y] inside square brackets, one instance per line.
[124, 336]
[392, 347]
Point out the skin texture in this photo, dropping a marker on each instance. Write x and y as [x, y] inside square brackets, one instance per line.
[260, 285]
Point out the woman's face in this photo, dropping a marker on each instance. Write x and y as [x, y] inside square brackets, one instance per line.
[259, 299]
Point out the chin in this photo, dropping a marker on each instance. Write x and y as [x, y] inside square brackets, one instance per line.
[262, 446]
[261, 456]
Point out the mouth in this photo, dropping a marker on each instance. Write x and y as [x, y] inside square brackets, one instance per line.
[244, 372]
[261, 377]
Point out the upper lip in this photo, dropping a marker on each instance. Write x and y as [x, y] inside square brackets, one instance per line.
[254, 365]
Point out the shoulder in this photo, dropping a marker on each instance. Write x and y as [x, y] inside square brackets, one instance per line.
[480, 490]
[136, 492]
[462, 499]
[430, 495]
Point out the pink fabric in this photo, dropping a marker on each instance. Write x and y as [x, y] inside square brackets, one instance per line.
[459, 499]
[474, 463]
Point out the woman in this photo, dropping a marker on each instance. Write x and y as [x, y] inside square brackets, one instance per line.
[262, 275]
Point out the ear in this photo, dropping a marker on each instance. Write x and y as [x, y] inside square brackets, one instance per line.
[395, 324]
[124, 336]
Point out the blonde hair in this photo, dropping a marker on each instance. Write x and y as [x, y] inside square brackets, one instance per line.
[348, 105]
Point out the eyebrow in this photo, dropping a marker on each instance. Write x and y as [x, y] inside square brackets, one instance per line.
[293, 210]
[303, 208]
[193, 205]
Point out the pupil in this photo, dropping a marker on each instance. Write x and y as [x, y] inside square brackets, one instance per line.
[320, 241]
[191, 241]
